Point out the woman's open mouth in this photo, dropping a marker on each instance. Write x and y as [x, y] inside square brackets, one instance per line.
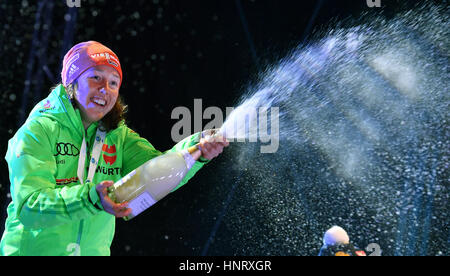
[98, 101]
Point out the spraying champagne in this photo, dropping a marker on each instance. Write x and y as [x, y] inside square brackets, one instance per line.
[153, 180]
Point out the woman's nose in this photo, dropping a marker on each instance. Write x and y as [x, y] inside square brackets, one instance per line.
[103, 91]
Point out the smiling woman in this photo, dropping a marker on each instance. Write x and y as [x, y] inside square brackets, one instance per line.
[55, 207]
[96, 102]
[97, 93]
[92, 76]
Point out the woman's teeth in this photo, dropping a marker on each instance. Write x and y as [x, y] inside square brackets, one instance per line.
[99, 101]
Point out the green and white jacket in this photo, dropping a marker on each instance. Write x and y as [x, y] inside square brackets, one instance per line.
[51, 212]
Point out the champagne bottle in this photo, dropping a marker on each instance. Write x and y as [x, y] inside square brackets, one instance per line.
[153, 180]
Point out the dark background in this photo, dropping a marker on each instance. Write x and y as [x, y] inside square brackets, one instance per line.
[171, 52]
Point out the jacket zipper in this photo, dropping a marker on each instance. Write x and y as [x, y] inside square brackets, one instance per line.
[80, 231]
[80, 228]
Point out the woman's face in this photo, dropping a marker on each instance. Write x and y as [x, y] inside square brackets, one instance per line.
[98, 89]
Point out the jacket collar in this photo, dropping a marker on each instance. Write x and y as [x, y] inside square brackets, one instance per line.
[58, 106]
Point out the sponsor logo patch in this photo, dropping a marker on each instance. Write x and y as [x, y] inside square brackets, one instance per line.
[109, 154]
[65, 181]
[66, 149]
[110, 58]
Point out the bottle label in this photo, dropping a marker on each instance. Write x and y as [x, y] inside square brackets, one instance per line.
[141, 203]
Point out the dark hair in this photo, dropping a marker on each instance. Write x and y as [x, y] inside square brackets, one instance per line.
[117, 114]
[112, 119]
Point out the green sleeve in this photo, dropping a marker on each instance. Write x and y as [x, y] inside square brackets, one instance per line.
[138, 150]
[38, 201]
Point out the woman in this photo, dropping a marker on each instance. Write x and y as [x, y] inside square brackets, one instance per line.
[73, 146]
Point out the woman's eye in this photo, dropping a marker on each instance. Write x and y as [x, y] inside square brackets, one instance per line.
[114, 83]
[95, 78]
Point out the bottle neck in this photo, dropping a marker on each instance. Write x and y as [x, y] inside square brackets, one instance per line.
[195, 150]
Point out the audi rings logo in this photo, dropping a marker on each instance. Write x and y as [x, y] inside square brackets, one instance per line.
[66, 149]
